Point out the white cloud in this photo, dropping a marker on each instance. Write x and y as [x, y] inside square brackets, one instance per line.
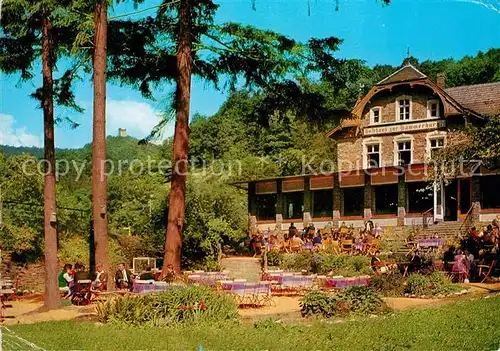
[139, 118]
[16, 136]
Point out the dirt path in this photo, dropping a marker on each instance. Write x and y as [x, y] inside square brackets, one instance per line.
[286, 308]
[27, 311]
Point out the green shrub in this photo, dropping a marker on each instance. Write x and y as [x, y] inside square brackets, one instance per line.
[177, 305]
[324, 263]
[297, 261]
[318, 303]
[356, 299]
[274, 258]
[362, 299]
[432, 284]
[388, 284]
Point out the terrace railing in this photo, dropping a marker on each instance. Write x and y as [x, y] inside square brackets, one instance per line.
[426, 217]
[467, 223]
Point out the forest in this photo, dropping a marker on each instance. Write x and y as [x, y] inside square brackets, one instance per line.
[265, 132]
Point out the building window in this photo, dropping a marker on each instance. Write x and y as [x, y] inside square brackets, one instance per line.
[373, 156]
[266, 206]
[376, 115]
[403, 105]
[352, 200]
[294, 205]
[420, 197]
[436, 144]
[404, 152]
[322, 203]
[433, 109]
[385, 199]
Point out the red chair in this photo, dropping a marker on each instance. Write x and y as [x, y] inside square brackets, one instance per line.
[83, 293]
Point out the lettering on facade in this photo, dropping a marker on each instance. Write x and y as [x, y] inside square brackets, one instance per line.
[404, 127]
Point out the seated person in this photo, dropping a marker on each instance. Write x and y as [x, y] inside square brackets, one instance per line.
[327, 239]
[378, 231]
[274, 241]
[375, 260]
[448, 258]
[296, 241]
[292, 230]
[369, 238]
[101, 278]
[310, 230]
[336, 236]
[65, 280]
[148, 274]
[123, 277]
[415, 262]
[317, 239]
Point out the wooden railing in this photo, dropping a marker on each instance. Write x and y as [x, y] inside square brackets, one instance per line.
[468, 222]
[425, 215]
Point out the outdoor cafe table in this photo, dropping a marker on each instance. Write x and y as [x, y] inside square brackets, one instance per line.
[437, 242]
[342, 282]
[308, 246]
[209, 279]
[147, 286]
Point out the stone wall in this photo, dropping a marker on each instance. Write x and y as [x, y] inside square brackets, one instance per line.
[387, 103]
[350, 152]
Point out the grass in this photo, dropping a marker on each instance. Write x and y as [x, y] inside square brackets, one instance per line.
[466, 325]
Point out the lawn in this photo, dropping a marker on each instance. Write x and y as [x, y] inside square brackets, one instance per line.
[466, 325]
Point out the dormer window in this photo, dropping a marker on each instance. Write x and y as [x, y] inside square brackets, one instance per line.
[403, 108]
[375, 115]
[433, 109]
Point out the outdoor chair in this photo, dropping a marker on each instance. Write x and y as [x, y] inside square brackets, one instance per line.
[373, 247]
[334, 246]
[83, 293]
[346, 246]
[238, 292]
[263, 294]
[484, 270]
[411, 245]
[14, 287]
[455, 272]
[285, 246]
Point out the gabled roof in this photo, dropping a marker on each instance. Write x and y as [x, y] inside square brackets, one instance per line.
[481, 98]
[451, 106]
[345, 123]
[404, 74]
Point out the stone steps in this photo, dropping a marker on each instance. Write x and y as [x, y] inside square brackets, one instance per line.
[243, 268]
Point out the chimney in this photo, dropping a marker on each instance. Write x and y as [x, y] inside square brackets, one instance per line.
[441, 80]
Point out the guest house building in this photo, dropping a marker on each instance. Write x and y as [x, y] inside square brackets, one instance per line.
[383, 163]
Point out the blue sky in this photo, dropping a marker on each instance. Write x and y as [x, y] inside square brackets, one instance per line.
[432, 29]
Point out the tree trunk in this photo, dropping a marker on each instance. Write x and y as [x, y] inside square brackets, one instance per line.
[177, 200]
[51, 297]
[99, 183]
